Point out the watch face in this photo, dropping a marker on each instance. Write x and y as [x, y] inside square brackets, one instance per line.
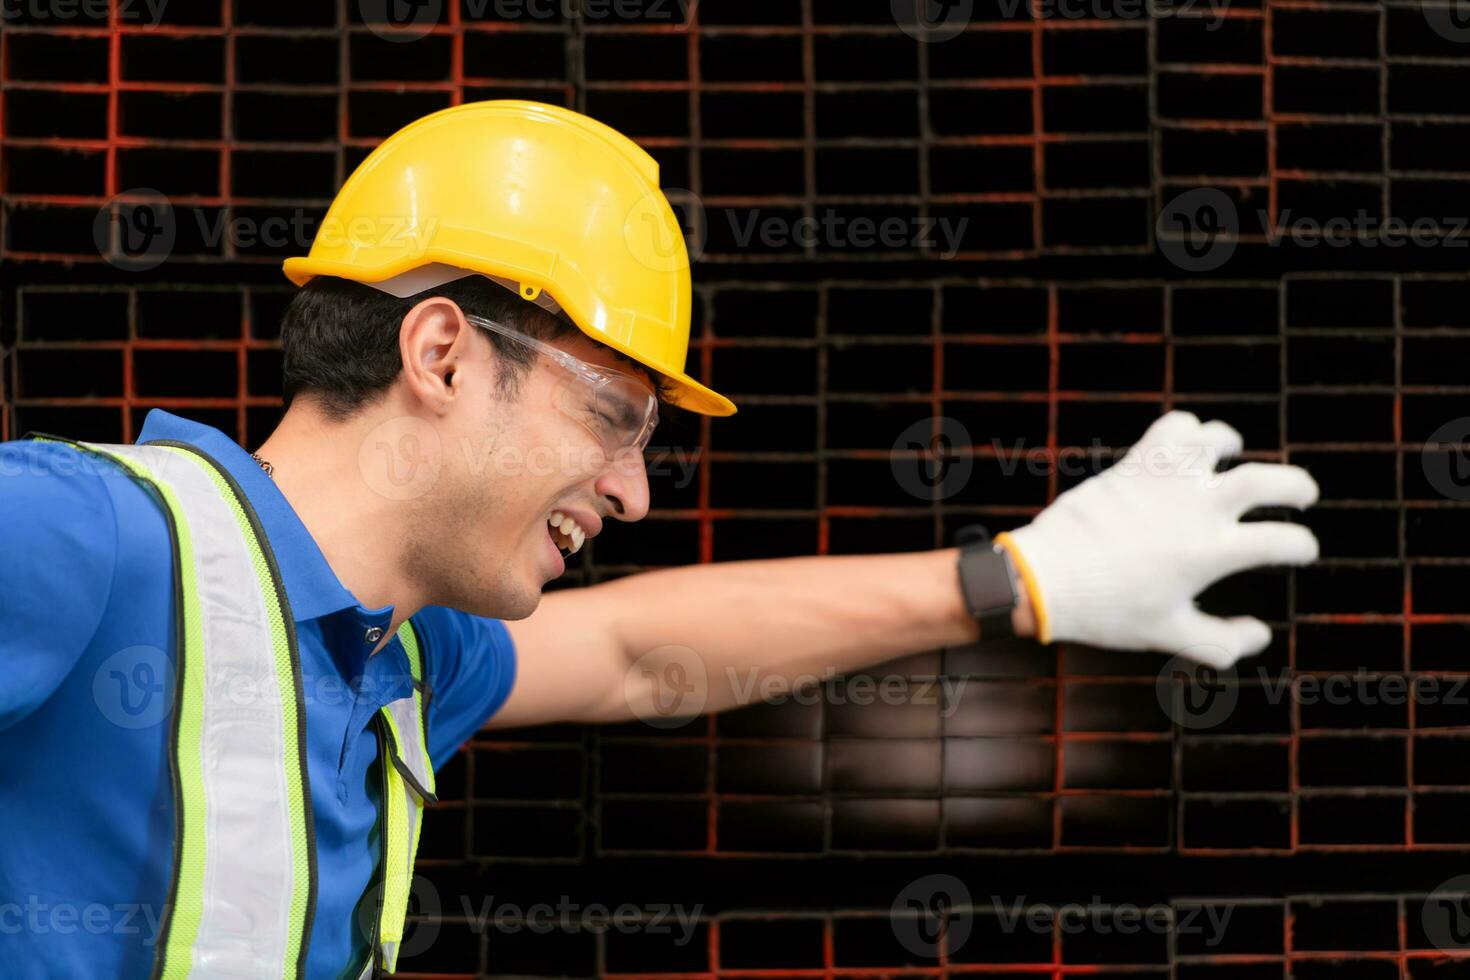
[985, 576]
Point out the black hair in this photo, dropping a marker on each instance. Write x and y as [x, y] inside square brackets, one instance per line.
[339, 338]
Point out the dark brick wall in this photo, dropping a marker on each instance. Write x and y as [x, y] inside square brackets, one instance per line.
[1255, 213]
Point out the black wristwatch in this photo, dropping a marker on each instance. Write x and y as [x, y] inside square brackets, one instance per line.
[987, 582]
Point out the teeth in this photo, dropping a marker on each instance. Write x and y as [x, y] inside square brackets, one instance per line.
[568, 529]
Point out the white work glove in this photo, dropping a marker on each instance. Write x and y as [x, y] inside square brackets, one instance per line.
[1117, 560]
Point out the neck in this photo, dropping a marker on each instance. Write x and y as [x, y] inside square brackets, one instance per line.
[359, 530]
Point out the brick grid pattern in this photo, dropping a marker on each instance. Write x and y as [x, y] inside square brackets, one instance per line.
[1056, 326]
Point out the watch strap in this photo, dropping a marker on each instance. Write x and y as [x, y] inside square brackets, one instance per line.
[987, 583]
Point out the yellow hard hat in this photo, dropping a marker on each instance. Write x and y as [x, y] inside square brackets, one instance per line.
[544, 200]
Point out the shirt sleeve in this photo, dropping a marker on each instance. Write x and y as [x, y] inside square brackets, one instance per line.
[471, 668]
[58, 548]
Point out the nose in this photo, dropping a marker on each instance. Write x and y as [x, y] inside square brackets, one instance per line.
[624, 484]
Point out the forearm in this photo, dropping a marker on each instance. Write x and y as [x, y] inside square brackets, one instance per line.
[776, 622]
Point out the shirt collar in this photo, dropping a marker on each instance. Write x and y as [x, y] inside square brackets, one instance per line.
[312, 588]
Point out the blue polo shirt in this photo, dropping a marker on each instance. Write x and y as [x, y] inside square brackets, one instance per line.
[86, 671]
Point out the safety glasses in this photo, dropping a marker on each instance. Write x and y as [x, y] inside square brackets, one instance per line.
[618, 408]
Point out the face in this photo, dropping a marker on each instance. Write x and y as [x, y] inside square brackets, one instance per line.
[515, 462]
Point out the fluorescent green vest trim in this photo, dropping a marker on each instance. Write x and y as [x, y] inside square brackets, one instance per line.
[242, 904]
[408, 784]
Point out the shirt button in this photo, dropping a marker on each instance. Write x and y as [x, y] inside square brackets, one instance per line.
[373, 634]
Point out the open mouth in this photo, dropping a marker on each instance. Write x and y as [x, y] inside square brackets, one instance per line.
[565, 532]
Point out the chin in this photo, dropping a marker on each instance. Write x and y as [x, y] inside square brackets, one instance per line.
[519, 604]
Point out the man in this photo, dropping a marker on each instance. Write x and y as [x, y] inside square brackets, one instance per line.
[231, 675]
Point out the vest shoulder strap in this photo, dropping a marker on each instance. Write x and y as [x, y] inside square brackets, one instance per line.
[243, 892]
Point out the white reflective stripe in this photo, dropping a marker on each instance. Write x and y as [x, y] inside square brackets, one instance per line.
[367, 969]
[408, 745]
[245, 920]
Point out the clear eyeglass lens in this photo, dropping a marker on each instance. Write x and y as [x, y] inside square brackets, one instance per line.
[618, 412]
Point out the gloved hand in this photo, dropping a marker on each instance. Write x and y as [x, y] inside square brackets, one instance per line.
[1117, 560]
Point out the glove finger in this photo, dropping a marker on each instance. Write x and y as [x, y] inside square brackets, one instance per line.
[1169, 429]
[1269, 543]
[1252, 485]
[1216, 641]
[1219, 441]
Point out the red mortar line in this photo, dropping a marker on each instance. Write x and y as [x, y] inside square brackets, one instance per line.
[109, 180]
[1408, 606]
[131, 400]
[695, 81]
[1354, 619]
[951, 969]
[163, 143]
[81, 88]
[182, 200]
[1053, 375]
[1316, 61]
[1361, 177]
[1209, 68]
[72, 258]
[1318, 118]
[456, 53]
[162, 343]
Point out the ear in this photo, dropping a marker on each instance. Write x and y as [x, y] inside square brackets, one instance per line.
[435, 344]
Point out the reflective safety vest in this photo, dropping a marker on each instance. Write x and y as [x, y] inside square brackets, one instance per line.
[244, 863]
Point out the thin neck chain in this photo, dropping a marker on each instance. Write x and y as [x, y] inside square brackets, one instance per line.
[270, 470]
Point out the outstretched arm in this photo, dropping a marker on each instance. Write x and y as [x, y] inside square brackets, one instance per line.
[723, 633]
[1115, 562]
